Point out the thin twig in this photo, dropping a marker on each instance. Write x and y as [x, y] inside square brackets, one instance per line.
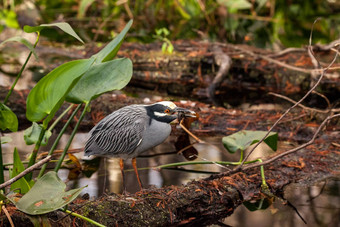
[26, 171]
[294, 149]
[336, 144]
[7, 215]
[324, 97]
[310, 52]
[190, 134]
[303, 106]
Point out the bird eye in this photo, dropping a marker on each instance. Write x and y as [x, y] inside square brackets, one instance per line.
[167, 111]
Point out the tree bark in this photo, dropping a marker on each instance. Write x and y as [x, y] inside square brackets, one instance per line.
[194, 67]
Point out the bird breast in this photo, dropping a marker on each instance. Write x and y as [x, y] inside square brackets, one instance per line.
[154, 134]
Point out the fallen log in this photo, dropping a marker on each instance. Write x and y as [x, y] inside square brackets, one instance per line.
[200, 202]
[194, 67]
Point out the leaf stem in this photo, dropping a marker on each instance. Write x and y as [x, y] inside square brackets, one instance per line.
[32, 160]
[43, 168]
[84, 218]
[71, 138]
[192, 163]
[59, 117]
[21, 70]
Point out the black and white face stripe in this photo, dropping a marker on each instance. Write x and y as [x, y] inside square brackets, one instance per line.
[162, 111]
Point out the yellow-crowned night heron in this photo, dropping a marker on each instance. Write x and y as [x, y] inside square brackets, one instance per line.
[132, 130]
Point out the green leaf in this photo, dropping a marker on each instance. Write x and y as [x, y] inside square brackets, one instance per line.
[2, 197]
[111, 49]
[8, 119]
[5, 139]
[235, 5]
[23, 41]
[31, 135]
[170, 48]
[101, 78]
[18, 167]
[164, 45]
[47, 194]
[83, 6]
[49, 93]
[65, 27]
[245, 138]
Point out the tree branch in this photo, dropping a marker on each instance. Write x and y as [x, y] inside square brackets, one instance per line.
[26, 171]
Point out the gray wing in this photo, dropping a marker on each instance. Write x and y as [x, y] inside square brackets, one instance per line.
[117, 134]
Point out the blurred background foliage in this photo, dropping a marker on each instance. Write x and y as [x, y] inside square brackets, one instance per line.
[263, 23]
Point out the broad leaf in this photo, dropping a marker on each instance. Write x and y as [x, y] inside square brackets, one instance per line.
[31, 135]
[111, 49]
[245, 138]
[23, 41]
[65, 27]
[47, 194]
[51, 90]
[18, 167]
[8, 119]
[101, 78]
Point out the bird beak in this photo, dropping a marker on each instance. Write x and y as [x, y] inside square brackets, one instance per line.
[185, 112]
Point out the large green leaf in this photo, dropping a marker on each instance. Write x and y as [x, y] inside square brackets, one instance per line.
[62, 25]
[101, 78]
[31, 135]
[49, 93]
[245, 138]
[8, 119]
[111, 49]
[18, 167]
[47, 194]
[23, 41]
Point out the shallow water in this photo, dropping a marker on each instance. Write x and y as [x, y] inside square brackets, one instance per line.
[323, 210]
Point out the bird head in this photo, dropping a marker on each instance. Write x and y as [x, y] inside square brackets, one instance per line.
[167, 111]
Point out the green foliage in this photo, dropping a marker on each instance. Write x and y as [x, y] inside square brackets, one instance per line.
[161, 34]
[8, 119]
[239, 141]
[111, 49]
[65, 27]
[83, 6]
[8, 18]
[259, 22]
[31, 134]
[101, 78]
[49, 93]
[47, 194]
[235, 5]
[18, 167]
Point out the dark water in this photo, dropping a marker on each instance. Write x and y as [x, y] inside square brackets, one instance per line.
[319, 205]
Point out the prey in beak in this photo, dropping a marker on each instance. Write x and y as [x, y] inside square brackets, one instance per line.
[183, 113]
